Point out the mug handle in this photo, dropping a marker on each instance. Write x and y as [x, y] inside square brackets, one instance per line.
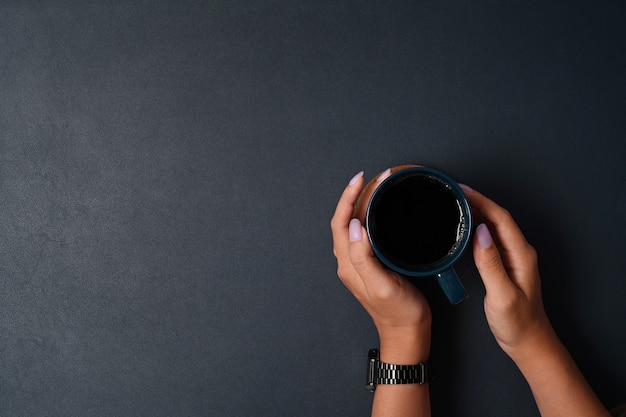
[451, 285]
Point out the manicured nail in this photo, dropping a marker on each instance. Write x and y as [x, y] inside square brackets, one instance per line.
[355, 231]
[466, 188]
[355, 178]
[383, 175]
[484, 237]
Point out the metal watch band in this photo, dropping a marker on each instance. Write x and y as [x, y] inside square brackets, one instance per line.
[385, 373]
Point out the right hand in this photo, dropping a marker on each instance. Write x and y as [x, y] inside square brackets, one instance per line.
[507, 264]
[514, 310]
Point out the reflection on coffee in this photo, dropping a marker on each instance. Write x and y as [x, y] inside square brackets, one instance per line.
[416, 221]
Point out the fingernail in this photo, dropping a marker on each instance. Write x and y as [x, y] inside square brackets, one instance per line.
[484, 237]
[355, 178]
[383, 175]
[466, 188]
[355, 230]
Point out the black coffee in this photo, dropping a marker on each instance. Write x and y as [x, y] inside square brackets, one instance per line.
[416, 220]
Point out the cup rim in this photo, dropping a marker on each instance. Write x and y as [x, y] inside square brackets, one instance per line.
[448, 261]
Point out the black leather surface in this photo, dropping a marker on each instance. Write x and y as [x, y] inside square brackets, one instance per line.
[168, 171]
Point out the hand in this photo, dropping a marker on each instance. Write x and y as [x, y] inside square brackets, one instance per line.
[400, 312]
[514, 310]
[507, 264]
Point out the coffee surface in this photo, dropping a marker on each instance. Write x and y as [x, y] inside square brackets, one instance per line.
[415, 221]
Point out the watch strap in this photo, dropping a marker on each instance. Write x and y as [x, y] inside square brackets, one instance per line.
[386, 373]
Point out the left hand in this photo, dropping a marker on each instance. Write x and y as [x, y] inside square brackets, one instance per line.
[400, 311]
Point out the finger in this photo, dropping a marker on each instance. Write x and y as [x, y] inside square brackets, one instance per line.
[517, 256]
[373, 274]
[506, 231]
[489, 263]
[343, 214]
[366, 194]
[341, 245]
[343, 211]
[352, 282]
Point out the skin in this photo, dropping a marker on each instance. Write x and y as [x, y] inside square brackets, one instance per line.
[507, 264]
[400, 312]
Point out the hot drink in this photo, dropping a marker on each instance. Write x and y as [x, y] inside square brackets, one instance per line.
[419, 223]
[416, 221]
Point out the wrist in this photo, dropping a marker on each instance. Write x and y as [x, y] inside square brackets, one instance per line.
[405, 346]
[535, 345]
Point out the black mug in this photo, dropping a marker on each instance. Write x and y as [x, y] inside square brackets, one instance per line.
[419, 224]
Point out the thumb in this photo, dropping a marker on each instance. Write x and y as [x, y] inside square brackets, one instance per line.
[489, 263]
[363, 259]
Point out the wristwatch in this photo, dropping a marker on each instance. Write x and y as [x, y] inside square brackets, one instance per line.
[385, 373]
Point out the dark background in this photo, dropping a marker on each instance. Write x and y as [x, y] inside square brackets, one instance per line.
[168, 171]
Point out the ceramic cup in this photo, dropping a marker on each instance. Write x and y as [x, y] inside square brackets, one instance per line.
[419, 224]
